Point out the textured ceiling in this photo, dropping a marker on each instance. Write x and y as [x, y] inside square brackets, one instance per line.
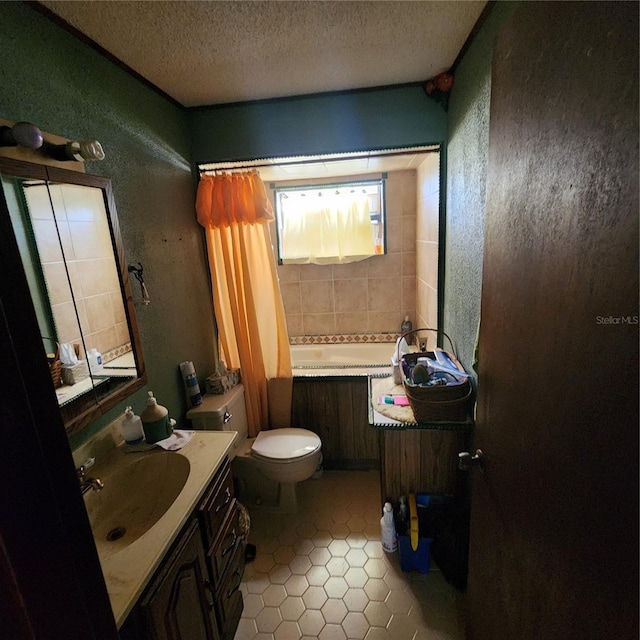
[213, 52]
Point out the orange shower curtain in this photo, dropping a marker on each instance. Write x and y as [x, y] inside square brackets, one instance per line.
[234, 210]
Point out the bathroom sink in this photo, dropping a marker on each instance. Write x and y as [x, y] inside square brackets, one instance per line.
[137, 493]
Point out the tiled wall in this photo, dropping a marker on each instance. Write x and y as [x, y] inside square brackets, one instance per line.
[86, 241]
[427, 218]
[370, 296]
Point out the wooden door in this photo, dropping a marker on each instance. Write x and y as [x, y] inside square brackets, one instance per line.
[554, 523]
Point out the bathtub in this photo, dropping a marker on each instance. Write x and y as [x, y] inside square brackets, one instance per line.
[352, 359]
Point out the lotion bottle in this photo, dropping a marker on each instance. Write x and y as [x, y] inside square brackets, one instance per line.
[155, 421]
[131, 427]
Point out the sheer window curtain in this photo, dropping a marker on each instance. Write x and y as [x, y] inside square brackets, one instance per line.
[326, 227]
[235, 211]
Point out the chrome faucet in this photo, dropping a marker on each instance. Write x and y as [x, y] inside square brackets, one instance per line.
[87, 482]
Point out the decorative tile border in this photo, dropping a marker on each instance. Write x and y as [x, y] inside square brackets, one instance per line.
[118, 351]
[345, 338]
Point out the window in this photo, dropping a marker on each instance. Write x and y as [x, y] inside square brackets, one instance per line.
[330, 223]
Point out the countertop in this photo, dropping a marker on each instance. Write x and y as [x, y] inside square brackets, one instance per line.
[128, 571]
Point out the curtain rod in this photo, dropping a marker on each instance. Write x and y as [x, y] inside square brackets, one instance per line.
[258, 164]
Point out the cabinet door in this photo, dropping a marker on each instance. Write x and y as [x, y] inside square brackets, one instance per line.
[176, 606]
[214, 506]
[225, 545]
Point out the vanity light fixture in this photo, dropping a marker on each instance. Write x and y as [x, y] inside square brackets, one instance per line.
[80, 151]
[21, 134]
[25, 134]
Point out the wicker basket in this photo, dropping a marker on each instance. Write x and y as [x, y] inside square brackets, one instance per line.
[440, 403]
[55, 368]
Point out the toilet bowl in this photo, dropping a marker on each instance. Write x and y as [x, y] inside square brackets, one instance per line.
[267, 467]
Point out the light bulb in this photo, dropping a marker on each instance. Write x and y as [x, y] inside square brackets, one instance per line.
[23, 134]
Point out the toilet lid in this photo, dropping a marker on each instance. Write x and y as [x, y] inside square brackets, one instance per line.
[285, 444]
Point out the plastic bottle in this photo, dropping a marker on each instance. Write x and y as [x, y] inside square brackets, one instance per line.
[406, 325]
[155, 421]
[402, 516]
[94, 359]
[388, 530]
[131, 427]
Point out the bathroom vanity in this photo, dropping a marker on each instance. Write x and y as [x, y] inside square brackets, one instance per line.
[179, 572]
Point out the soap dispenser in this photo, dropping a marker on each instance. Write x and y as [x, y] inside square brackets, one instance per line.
[155, 421]
[131, 427]
[406, 325]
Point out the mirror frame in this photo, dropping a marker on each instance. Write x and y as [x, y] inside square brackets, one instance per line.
[82, 411]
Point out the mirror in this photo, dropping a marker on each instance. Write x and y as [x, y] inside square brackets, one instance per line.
[66, 227]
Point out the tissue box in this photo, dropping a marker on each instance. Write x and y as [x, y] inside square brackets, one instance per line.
[73, 373]
[222, 384]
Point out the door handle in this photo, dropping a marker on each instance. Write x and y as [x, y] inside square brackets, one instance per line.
[466, 461]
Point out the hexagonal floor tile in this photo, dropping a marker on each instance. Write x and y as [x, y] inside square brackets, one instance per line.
[317, 576]
[336, 587]
[268, 620]
[376, 589]
[356, 577]
[287, 631]
[320, 556]
[274, 595]
[377, 614]
[355, 600]
[292, 608]
[355, 625]
[296, 585]
[332, 632]
[311, 622]
[334, 611]
[314, 597]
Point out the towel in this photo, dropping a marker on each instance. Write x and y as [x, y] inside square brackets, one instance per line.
[175, 441]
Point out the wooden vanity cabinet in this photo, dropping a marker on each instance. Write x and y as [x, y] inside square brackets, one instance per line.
[220, 522]
[178, 603]
[195, 595]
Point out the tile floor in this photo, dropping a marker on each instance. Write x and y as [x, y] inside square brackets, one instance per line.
[322, 574]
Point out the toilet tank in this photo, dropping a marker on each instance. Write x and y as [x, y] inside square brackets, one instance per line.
[222, 413]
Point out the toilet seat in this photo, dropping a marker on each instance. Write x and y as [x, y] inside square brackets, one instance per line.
[285, 445]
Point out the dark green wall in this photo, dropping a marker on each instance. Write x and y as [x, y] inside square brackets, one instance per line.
[467, 153]
[52, 79]
[323, 123]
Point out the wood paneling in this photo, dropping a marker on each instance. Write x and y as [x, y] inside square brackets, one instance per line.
[336, 409]
[419, 460]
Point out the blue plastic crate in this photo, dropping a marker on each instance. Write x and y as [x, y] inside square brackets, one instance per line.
[418, 560]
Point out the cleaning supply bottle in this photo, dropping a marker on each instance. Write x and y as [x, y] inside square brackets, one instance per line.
[388, 530]
[155, 421]
[131, 426]
[403, 516]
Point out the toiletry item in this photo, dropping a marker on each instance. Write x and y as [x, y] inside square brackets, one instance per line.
[191, 385]
[131, 427]
[94, 360]
[420, 374]
[406, 325]
[155, 421]
[388, 530]
[398, 400]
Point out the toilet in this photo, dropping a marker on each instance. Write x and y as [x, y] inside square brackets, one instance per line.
[268, 467]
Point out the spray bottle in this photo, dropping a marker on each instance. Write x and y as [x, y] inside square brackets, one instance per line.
[387, 529]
